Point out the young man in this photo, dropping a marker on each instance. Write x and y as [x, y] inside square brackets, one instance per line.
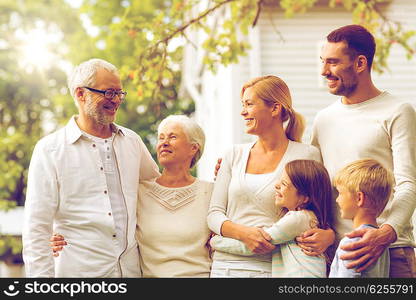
[368, 123]
[83, 182]
[364, 187]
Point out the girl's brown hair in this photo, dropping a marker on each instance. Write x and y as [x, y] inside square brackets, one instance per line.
[271, 89]
[311, 179]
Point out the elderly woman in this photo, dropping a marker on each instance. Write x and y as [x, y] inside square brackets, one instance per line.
[172, 231]
[243, 197]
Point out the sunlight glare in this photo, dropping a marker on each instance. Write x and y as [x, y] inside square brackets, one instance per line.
[36, 49]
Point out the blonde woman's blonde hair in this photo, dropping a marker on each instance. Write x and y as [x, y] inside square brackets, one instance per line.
[271, 89]
[369, 177]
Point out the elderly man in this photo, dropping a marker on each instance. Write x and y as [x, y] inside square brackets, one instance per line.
[83, 182]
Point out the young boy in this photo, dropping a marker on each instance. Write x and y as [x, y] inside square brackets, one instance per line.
[364, 187]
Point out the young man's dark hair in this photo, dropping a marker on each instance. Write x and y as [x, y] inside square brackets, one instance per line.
[359, 40]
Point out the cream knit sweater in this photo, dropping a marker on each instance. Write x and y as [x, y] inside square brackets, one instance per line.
[172, 229]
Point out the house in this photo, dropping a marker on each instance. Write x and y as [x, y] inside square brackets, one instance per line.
[288, 48]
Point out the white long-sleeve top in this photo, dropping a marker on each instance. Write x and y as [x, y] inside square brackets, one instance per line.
[233, 200]
[67, 193]
[288, 260]
[382, 128]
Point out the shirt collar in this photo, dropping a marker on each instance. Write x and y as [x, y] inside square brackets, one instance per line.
[73, 132]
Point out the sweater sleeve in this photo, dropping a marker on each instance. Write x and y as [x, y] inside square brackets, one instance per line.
[402, 129]
[229, 245]
[291, 225]
[286, 229]
[219, 198]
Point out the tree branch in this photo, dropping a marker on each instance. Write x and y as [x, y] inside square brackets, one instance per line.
[256, 18]
[190, 22]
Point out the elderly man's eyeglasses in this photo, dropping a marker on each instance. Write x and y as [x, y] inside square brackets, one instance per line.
[109, 93]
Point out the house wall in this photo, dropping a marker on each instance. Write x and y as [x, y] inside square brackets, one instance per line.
[216, 99]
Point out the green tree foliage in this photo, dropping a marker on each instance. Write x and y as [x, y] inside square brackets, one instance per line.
[10, 248]
[28, 91]
[152, 96]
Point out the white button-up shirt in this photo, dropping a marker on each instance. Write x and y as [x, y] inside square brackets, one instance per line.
[118, 207]
[68, 193]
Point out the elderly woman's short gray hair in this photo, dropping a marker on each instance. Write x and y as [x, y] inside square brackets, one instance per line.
[84, 73]
[192, 130]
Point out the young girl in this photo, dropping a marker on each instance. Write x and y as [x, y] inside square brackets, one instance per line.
[304, 196]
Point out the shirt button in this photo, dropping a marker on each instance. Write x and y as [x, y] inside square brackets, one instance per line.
[114, 235]
[109, 213]
[93, 145]
[105, 192]
[101, 168]
[105, 141]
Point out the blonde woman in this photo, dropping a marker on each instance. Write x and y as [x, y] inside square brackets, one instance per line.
[242, 201]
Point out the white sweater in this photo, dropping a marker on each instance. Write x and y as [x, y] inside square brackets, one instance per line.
[288, 260]
[382, 128]
[233, 200]
[172, 229]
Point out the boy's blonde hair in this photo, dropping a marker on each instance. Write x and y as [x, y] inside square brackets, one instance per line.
[369, 177]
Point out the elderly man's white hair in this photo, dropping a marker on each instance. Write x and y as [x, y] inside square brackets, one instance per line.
[84, 74]
[192, 130]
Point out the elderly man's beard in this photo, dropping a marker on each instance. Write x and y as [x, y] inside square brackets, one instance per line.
[96, 112]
